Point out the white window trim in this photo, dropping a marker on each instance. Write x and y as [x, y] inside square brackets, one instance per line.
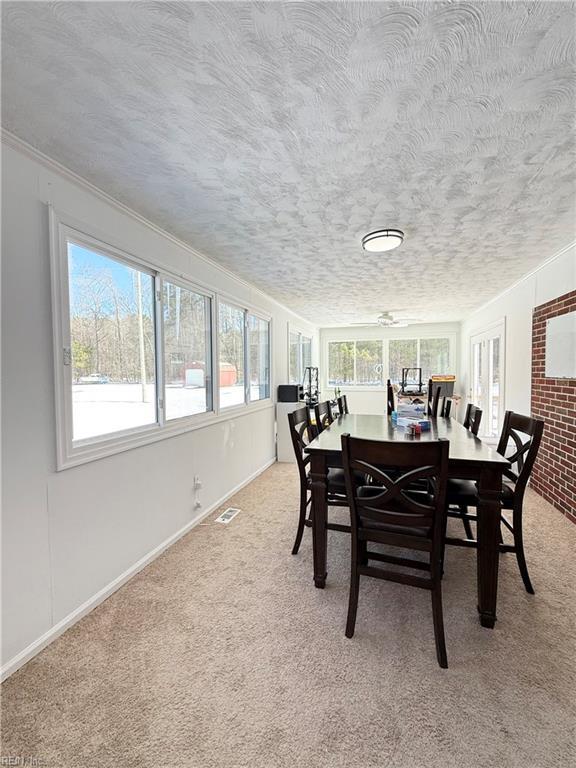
[223, 298]
[293, 329]
[71, 453]
[451, 336]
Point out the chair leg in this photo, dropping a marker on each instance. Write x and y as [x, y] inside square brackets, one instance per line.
[301, 520]
[363, 552]
[443, 548]
[354, 589]
[439, 625]
[519, 547]
[467, 527]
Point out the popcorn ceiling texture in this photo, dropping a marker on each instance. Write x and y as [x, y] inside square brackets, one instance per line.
[272, 136]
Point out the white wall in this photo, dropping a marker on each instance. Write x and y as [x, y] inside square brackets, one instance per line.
[553, 279]
[370, 399]
[68, 536]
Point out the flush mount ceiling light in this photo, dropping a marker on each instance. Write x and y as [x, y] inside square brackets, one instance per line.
[382, 240]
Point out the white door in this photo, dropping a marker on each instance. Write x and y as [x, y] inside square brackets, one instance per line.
[487, 377]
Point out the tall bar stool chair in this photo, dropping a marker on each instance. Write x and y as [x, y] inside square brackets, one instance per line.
[323, 415]
[390, 513]
[472, 418]
[302, 433]
[390, 407]
[519, 443]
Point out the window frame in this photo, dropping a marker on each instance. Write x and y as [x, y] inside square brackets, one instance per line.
[186, 285]
[69, 452]
[301, 335]
[418, 337]
[223, 298]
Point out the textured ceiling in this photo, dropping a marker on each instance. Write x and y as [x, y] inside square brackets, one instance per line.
[272, 136]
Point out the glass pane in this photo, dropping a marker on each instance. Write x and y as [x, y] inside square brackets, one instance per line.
[494, 393]
[340, 363]
[187, 367]
[306, 354]
[113, 344]
[231, 341]
[369, 363]
[259, 346]
[403, 353]
[434, 357]
[294, 373]
[477, 374]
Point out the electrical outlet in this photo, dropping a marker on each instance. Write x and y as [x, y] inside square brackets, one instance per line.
[197, 505]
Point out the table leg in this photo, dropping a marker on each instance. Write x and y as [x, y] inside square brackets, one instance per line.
[489, 510]
[318, 476]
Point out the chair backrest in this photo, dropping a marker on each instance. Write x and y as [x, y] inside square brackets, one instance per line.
[525, 433]
[302, 433]
[323, 415]
[446, 407]
[433, 398]
[410, 462]
[390, 407]
[342, 405]
[472, 418]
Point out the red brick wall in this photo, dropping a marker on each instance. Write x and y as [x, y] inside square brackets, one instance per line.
[554, 400]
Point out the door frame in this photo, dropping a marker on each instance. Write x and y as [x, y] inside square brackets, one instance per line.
[483, 335]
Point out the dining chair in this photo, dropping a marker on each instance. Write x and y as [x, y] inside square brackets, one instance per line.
[342, 405]
[472, 418]
[389, 513]
[323, 415]
[519, 443]
[302, 433]
[433, 398]
[446, 407]
[390, 407]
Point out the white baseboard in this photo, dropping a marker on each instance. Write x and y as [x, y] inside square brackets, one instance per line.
[58, 629]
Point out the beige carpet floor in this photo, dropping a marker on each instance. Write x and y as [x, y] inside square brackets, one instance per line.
[222, 654]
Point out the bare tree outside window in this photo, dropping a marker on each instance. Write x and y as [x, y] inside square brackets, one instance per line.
[187, 351]
[113, 344]
[259, 347]
[231, 344]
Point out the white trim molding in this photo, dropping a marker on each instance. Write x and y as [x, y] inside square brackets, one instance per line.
[18, 144]
[70, 452]
[72, 618]
[525, 277]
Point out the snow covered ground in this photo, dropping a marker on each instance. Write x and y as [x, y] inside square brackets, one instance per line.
[100, 409]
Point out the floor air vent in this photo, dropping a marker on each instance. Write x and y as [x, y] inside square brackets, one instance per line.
[228, 515]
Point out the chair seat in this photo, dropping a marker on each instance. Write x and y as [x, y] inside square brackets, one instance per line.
[465, 493]
[375, 525]
[337, 479]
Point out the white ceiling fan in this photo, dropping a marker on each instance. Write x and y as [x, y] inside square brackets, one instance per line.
[388, 320]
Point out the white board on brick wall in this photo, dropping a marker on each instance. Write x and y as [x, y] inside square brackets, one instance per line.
[561, 347]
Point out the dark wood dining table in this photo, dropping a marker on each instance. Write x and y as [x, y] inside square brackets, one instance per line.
[469, 458]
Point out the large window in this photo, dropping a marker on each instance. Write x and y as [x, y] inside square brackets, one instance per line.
[434, 357]
[259, 361]
[244, 366]
[299, 356]
[402, 353]
[112, 335]
[355, 363]
[187, 351]
[231, 344]
[364, 363]
[134, 350]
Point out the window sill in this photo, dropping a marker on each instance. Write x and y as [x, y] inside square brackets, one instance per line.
[94, 451]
